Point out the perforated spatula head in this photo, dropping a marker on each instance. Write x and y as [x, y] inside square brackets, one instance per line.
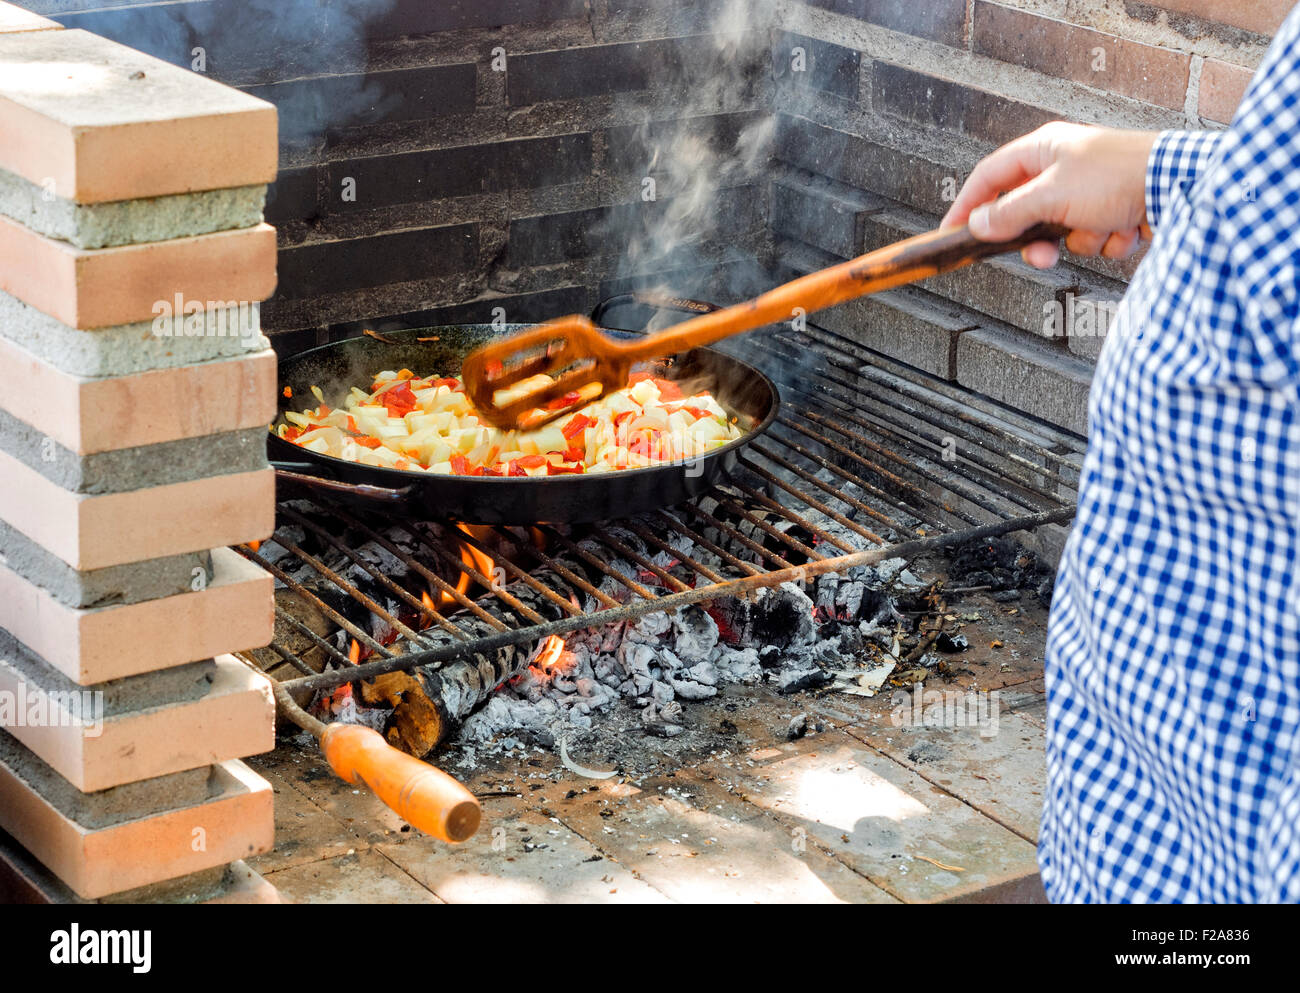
[528, 379]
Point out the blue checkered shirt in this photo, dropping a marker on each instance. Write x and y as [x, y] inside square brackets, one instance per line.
[1173, 657]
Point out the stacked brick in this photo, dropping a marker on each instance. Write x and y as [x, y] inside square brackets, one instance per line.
[133, 412]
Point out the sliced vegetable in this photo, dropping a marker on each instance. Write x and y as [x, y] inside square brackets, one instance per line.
[427, 425]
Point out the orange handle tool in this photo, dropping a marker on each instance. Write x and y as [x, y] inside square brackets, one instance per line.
[425, 797]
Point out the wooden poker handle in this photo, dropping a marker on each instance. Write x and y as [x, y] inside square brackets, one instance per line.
[422, 795]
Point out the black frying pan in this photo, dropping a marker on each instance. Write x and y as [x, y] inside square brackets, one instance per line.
[741, 389]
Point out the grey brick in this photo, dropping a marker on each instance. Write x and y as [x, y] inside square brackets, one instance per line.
[1089, 315]
[358, 263]
[164, 687]
[622, 67]
[122, 349]
[520, 308]
[128, 222]
[292, 197]
[827, 67]
[867, 165]
[550, 238]
[938, 20]
[1026, 373]
[907, 324]
[408, 17]
[118, 804]
[133, 468]
[118, 584]
[309, 106]
[1006, 287]
[463, 170]
[823, 213]
[634, 148]
[941, 103]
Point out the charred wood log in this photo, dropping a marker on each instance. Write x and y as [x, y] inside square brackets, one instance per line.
[429, 702]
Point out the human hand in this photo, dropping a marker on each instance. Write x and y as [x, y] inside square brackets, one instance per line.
[1088, 179]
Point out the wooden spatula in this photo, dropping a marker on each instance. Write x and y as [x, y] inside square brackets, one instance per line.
[543, 373]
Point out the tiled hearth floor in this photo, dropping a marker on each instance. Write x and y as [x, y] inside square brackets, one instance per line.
[854, 812]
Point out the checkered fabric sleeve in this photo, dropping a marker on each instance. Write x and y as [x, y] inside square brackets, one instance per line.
[1173, 650]
[1177, 158]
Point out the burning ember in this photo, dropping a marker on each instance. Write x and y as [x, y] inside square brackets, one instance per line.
[551, 659]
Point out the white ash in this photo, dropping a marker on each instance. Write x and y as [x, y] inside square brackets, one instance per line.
[661, 663]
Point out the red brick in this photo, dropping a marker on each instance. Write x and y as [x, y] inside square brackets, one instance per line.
[1222, 87]
[237, 822]
[106, 414]
[94, 532]
[101, 121]
[1260, 16]
[1055, 48]
[235, 718]
[93, 288]
[232, 613]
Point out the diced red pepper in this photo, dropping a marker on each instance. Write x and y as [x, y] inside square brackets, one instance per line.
[668, 390]
[323, 410]
[568, 400]
[564, 470]
[620, 418]
[493, 470]
[574, 455]
[352, 425]
[288, 392]
[292, 433]
[400, 400]
[638, 377]
[579, 423]
[369, 442]
[453, 383]
[696, 412]
[532, 461]
[459, 465]
[516, 469]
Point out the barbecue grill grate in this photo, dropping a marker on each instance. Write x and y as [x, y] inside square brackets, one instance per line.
[869, 460]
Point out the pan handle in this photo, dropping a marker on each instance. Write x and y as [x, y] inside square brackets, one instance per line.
[291, 472]
[650, 298]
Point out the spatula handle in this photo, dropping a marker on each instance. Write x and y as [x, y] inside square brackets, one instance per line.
[894, 265]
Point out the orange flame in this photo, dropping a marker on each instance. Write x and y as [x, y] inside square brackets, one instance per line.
[354, 652]
[553, 657]
[473, 559]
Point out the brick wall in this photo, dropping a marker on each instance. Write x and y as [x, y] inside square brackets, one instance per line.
[419, 183]
[905, 99]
